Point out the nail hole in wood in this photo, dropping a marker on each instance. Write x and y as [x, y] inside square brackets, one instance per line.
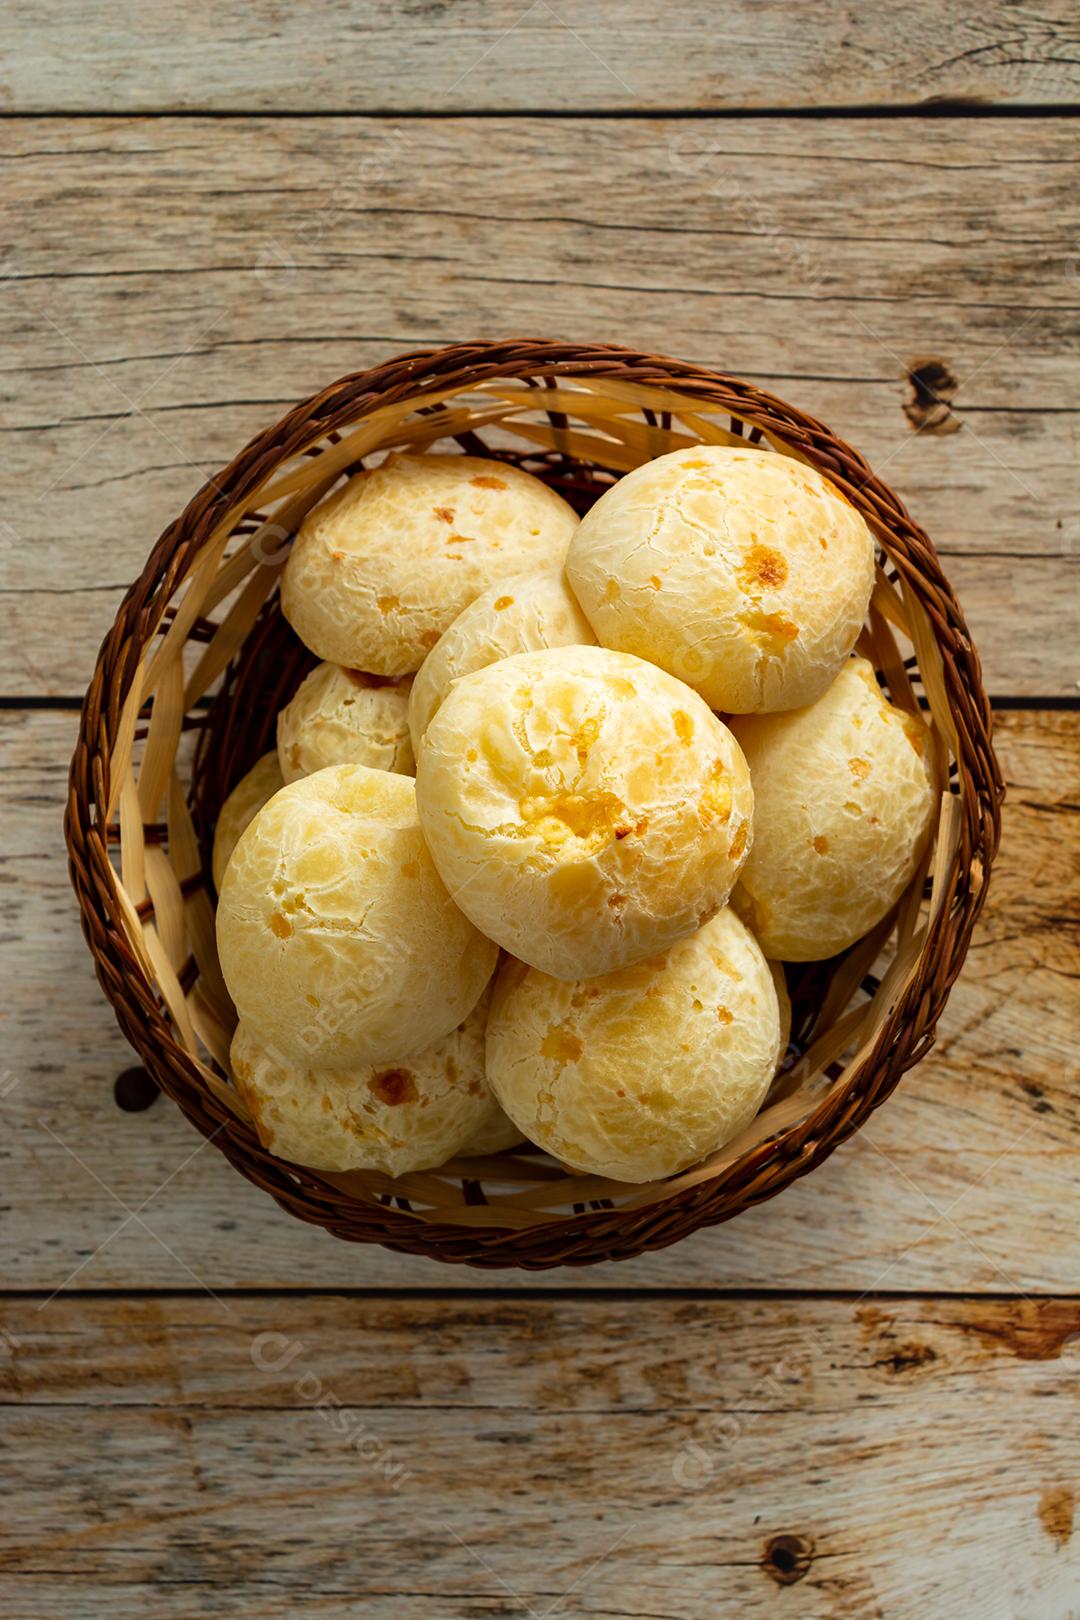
[929, 408]
[787, 1558]
[134, 1090]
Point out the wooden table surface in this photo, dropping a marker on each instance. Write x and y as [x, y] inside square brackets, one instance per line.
[858, 1400]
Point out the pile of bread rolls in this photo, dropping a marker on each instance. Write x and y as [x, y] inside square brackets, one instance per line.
[560, 800]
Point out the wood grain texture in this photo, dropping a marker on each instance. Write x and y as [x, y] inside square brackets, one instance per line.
[969, 1178]
[429, 56]
[711, 1444]
[591, 1457]
[172, 285]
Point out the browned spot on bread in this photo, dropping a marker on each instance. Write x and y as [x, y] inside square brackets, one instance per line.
[502, 602]
[561, 1045]
[585, 737]
[428, 638]
[487, 481]
[394, 1086]
[762, 568]
[715, 803]
[821, 844]
[721, 961]
[387, 604]
[859, 769]
[1057, 1506]
[783, 629]
[280, 925]
[257, 1109]
[612, 591]
[738, 843]
[410, 869]
[459, 539]
[594, 817]
[770, 627]
[724, 1015]
[640, 828]
[312, 1001]
[684, 727]
[654, 581]
[446, 513]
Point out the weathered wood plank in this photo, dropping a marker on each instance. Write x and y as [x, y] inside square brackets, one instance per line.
[207, 275]
[504, 55]
[601, 1457]
[969, 1178]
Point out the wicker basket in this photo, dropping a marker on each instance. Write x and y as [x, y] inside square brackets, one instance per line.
[184, 697]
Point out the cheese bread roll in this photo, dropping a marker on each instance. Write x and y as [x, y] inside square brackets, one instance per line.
[741, 571]
[846, 794]
[518, 615]
[338, 941]
[583, 808]
[344, 717]
[381, 568]
[643, 1072]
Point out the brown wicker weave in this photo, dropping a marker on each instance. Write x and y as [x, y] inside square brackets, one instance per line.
[199, 646]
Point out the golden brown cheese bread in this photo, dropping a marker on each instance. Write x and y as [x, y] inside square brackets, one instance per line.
[639, 1073]
[517, 615]
[338, 941]
[784, 1003]
[584, 808]
[244, 802]
[385, 565]
[396, 1117]
[741, 571]
[845, 797]
[344, 717]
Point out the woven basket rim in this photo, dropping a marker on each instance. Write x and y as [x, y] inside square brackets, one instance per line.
[582, 1237]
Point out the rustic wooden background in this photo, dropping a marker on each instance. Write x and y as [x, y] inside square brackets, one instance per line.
[859, 1400]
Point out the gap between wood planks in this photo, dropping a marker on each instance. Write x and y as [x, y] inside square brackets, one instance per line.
[954, 107]
[558, 1291]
